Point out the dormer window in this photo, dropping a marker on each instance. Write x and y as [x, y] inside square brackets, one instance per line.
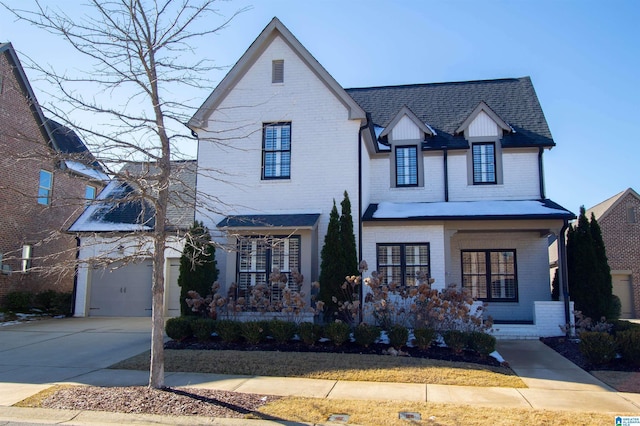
[277, 71]
[407, 165]
[484, 163]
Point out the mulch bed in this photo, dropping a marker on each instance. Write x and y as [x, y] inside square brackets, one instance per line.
[434, 352]
[570, 349]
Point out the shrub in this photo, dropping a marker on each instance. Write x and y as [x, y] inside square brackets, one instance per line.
[338, 332]
[53, 302]
[282, 331]
[18, 301]
[597, 347]
[365, 334]
[480, 342]
[398, 336]
[455, 340]
[203, 328]
[423, 337]
[178, 328]
[622, 325]
[229, 331]
[628, 345]
[309, 332]
[253, 331]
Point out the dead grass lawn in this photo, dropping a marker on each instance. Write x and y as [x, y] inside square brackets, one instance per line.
[350, 367]
[386, 413]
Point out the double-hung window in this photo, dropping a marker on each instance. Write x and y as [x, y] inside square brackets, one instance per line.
[484, 163]
[407, 165]
[259, 257]
[45, 187]
[490, 274]
[401, 263]
[276, 151]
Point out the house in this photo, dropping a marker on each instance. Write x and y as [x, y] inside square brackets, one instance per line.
[445, 178]
[619, 220]
[116, 248]
[47, 175]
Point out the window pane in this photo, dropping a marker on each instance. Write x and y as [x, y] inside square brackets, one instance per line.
[277, 151]
[90, 193]
[484, 163]
[45, 185]
[503, 278]
[406, 166]
[474, 277]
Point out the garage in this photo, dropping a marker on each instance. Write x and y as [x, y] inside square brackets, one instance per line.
[622, 287]
[121, 290]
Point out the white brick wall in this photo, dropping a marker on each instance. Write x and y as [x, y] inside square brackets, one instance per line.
[324, 147]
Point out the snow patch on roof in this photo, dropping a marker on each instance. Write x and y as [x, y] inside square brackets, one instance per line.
[388, 210]
[86, 170]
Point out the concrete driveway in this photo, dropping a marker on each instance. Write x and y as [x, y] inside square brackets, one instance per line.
[35, 354]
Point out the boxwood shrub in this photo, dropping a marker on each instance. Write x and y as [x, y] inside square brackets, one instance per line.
[178, 328]
[398, 336]
[365, 334]
[597, 347]
[423, 337]
[338, 332]
[202, 328]
[309, 332]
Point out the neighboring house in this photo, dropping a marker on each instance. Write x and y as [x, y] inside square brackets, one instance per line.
[47, 175]
[116, 247]
[445, 178]
[619, 220]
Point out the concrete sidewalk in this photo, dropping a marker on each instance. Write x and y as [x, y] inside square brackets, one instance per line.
[33, 357]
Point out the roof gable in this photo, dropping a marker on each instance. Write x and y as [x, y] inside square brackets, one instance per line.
[405, 111]
[274, 29]
[483, 108]
[603, 209]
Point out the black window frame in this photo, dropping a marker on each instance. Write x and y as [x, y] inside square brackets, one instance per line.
[414, 148]
[266, 152]
[403, 262]
[474, 162]
[266, 243]
[489, 276]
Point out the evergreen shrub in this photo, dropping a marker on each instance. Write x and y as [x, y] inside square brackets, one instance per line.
[309, 332]
[253, 331]
[480, 342]
[455, 340]
[365, 334]
[229, 331]
[203, 328]
[178, 328]
[282, 331]
[18, 301]
[398, 336]
[628, 345]
[597, 347]
[423, 337]
[338, 332]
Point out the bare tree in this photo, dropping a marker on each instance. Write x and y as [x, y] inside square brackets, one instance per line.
[141, 61]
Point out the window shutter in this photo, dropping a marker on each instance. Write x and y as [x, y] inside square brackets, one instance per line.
[277, 71]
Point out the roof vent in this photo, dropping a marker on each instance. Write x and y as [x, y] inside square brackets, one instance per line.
[277, 71]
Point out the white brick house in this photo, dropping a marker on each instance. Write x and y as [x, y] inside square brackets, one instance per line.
[443, 177]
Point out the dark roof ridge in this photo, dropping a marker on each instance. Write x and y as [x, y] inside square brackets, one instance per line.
[442, 83]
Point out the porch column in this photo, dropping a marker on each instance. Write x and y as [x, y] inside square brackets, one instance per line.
[563, 275]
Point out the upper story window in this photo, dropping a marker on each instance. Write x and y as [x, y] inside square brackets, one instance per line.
[259, 257]
[407, 166]
[45, 187]
[631, 214]
[277, 71]
[401, 263]
[484, 162]
[26, 257]
[490, 274]
[89, 193]
[276, 151]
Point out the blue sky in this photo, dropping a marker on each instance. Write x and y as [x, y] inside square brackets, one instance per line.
[583, 57]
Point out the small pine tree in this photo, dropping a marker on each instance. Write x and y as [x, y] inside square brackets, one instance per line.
[198, 266]
[555, 287]
[348, 238]
[589, 279]
[332, 274]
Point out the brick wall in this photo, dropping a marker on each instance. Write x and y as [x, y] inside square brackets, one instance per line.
[24, 152]
[622, 240]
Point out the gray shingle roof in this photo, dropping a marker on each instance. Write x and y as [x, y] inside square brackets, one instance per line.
[305, 220]
[445, 106]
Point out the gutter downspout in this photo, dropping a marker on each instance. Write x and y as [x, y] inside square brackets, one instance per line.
[364, 126]
[446, 175]
[541, 173]
[75, 278]
[564, 275]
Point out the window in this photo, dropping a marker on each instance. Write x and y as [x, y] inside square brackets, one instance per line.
[407, 166]
[26, 258]
[484, 163]
[259, 257]
[44, 187]
[89, 193]
[631, 214]
[401, 263]
[490, 274]
[277, 71]
[276, 151]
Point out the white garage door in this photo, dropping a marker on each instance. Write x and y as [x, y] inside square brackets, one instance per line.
[623, 289]
[172, 295]
[121, 290]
